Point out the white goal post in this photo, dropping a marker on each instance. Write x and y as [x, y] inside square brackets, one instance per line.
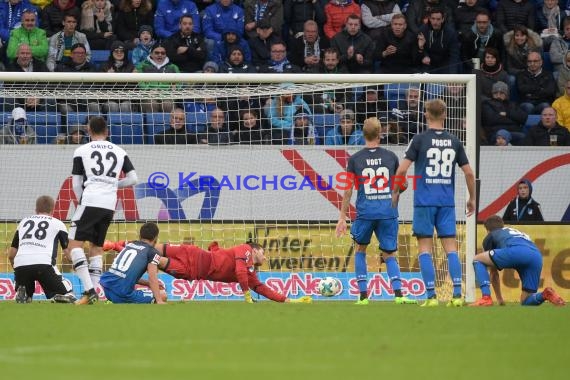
[285, 210]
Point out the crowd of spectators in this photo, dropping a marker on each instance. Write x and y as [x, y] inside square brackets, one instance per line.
[522, 46]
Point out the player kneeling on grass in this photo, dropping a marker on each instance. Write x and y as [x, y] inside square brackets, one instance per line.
[34, 251]
[235, 264]
[509, 248]
[131, 263]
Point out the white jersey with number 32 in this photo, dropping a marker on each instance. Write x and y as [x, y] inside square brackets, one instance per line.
[100, 163]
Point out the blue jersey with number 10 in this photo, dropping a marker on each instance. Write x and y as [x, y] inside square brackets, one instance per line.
[374, 198]
[435, 154]
[129, 266]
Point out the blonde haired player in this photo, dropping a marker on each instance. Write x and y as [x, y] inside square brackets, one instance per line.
[371, 171]
[435, 153]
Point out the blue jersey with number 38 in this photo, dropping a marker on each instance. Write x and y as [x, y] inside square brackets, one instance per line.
[435, 154]
[129, 266]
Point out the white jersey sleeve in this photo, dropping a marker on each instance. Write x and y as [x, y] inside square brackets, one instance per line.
[36, 240]
[100, 163]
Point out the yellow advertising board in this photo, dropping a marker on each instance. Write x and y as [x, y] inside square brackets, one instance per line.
[553, 242]
[289, 247]
[315, 248]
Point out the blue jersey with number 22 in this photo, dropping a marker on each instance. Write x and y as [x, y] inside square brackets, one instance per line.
[376, 167]
[435, 154]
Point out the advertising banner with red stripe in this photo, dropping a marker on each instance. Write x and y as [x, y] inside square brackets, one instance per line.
[240, 183]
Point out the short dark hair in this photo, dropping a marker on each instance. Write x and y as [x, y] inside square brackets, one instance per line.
[483, 12]
[437, 10]
[97, 125]
[332, 51]
[186, 15]
[149, 231]
[493, 223]
[278, 42]
[494, 52]
[352, 16]
[78, 45]
[71, 13]
[157, 44]
[44, 204]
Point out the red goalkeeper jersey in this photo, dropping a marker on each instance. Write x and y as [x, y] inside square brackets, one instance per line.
[224, 265]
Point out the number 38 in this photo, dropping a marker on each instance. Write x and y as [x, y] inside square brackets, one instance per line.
[440, 162]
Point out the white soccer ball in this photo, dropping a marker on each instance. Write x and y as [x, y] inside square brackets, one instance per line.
[329, 287]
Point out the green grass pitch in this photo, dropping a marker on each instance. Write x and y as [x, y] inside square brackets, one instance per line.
[325, 340]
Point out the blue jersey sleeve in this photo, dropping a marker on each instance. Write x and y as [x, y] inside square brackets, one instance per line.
[411, 152]
[488, 243]
[152, 256]
[461, 155]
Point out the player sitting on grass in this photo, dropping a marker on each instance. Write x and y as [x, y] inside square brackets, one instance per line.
[131, 263]
[235, 264]
[509, 248]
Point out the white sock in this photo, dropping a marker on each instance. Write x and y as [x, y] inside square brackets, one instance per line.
[95, 269]
[80, 267]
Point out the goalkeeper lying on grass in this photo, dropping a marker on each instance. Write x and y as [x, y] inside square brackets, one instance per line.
[235, 264]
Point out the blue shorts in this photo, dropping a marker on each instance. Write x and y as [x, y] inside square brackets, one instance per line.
[135, 296]
[527, 261]
[386, 231]
[428, 217]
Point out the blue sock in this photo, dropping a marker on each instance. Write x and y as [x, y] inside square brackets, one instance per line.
[393, 270]
[428, 273]
[361, 271]
[482, 277]
[534, 299]
[454, 266]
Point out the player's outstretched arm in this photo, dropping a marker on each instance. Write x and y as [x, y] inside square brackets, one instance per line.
[341, 227]
[401, 172]
[496, 283]
[12, 254]
[470, 181]
[77, 184]
[153, 283]
[129, 180]
[118, 246]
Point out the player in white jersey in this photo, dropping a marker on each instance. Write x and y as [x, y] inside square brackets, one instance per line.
[33, 254]
[96, 169]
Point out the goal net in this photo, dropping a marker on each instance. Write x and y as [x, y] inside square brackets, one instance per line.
[232, 158]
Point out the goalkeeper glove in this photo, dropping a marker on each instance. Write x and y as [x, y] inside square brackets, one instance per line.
[304, 299]
[109, 245]
[247, 297]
